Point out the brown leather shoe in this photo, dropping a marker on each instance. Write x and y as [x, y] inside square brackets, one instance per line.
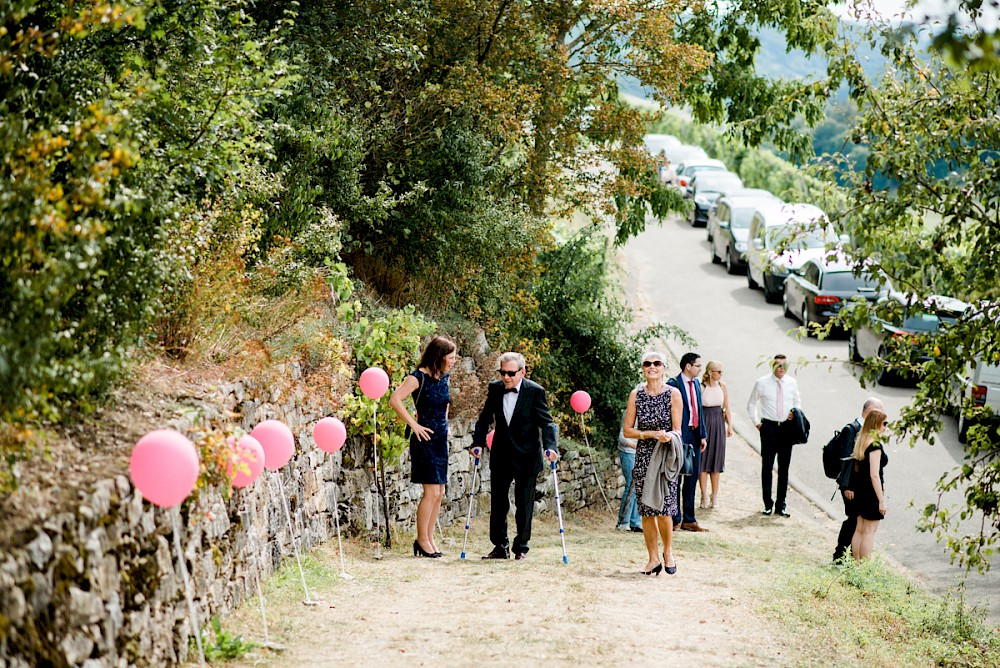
[497, 553]
[677, 527]
[692, 526]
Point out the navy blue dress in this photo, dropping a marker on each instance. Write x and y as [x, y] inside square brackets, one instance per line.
[429, 459]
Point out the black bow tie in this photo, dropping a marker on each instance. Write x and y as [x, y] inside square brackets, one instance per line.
[510, 389]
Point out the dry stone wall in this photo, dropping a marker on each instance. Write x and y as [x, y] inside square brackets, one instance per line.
[99, 585]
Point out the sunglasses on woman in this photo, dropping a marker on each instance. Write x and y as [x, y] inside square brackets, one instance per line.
[649, 363]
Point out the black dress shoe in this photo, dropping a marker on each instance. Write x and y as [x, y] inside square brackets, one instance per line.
[767, 511]
[635, 529]
[498, 553]
[783, 511]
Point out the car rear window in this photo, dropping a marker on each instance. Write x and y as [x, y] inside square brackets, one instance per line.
[844, 281]
[925, 322]
[742, 217]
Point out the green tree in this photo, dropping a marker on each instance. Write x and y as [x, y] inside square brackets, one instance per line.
[935, 233]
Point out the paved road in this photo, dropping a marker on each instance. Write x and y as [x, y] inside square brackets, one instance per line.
[671, 274]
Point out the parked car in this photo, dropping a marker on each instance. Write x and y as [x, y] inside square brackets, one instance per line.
[983, 389]
[706, 189]
[901, 322]
[782, 238]
[676, 155]
[713, 225]
[729, 226]
[689, 169]
[820, 288]
[657, 144]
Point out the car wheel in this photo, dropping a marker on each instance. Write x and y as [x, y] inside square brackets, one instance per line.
[770, 294]
[784, 306]
[852, 349]
[715, 258]
[885, 376]
[805, 319]
[963, 429]
[752, 284]
[732, 267]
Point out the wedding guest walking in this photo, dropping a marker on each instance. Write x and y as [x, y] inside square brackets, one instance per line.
[692, 433]
[847, 438]
[770, 407]
[715, 403]
[653, 411]
[868, 483]
[429, 437]
[518, 408]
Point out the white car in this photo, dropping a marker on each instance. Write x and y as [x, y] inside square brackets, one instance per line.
[687, 170]
[983, 388]
[782, 237]
[657, 144]
[677, 155]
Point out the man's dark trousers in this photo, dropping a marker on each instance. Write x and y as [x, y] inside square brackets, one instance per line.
[774, 443]
[524, 506]
[689, 482]
[846, 529]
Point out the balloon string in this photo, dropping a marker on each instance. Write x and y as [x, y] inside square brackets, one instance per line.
[378, 524]
[295, 542]
[593, 467]
[187, 586]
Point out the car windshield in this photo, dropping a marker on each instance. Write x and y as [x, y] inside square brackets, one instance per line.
[741, 218]
[796, 238]
[845, 281]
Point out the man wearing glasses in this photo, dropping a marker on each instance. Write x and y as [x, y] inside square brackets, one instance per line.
[693, 433]
[518, 408]
[770, 407]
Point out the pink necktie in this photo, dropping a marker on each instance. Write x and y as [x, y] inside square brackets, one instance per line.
[779, 404]
[694, 405]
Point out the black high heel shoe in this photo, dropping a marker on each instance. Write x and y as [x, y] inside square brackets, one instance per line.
[654, 571]
[421, 552]
[670, 569]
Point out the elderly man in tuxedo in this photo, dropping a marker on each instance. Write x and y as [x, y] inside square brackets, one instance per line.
[693, 433]
[518, 408]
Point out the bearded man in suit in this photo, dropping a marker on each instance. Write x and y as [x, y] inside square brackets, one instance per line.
[518, 408]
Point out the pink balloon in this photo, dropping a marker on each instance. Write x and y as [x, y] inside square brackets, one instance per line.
[374, 382]
[249, 455]
[277, 441]
[489, 440]
[580, 401]
[330, 434]
[164, 467]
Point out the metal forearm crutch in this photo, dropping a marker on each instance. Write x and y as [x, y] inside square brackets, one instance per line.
[476, 452]
[555, 481]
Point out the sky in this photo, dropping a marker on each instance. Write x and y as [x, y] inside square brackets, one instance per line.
[937, 10]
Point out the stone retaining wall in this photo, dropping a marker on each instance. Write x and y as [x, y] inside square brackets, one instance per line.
[99, 585]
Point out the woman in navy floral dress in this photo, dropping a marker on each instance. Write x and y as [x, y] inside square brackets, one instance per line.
[429, 439]
[652, 412]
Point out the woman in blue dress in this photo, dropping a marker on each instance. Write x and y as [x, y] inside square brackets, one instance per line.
[429, 438]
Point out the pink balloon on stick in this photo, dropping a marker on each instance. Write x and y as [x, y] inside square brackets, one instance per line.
[249, 457]
[277, 441]
[489, 439]
[580, 401]
[374, 382]
[164, 467]
[330, 434]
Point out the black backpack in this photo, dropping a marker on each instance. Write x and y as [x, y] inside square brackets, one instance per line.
[838, 449]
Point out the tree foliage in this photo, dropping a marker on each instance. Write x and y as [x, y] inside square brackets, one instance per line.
[935, 231]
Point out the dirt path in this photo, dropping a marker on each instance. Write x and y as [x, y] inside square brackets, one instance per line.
[598, 609]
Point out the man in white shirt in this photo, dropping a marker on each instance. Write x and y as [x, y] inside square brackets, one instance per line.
[770, 407]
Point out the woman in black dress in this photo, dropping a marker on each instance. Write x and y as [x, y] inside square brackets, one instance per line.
[429, 440]
[867, 483]
[652, 412]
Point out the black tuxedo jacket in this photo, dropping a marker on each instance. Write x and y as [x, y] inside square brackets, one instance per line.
[517, 447]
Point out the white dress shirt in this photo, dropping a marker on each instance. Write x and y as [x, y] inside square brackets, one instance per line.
[509, 402]
[763, 399]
